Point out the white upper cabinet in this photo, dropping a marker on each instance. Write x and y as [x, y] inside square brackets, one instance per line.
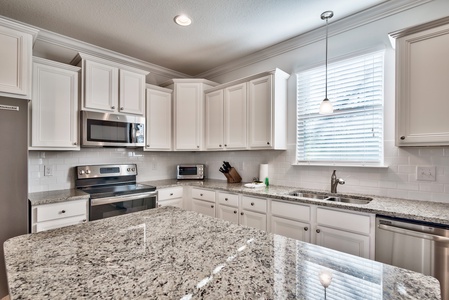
[422, 89]
[54, 108]
[226, 118]
[214, 120]
[111, 87]
[267, 111]
[158, 119]
[188, 112]
[16, 50]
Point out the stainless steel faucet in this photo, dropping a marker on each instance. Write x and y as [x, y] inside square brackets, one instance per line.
[335, 181]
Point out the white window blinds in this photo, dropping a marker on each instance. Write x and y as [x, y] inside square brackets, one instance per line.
[353, 134]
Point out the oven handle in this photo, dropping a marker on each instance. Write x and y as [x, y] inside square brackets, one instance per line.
[101, 201]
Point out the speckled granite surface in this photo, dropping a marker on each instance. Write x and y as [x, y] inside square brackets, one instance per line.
[168, 253]
[40, 198]
[409, 209]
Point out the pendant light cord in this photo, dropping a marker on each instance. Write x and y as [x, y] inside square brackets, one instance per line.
[327, 20]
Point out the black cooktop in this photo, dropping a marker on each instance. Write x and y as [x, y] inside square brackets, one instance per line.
[117, 190]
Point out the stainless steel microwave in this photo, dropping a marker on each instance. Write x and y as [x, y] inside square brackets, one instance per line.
[190, 172]
[111, 130]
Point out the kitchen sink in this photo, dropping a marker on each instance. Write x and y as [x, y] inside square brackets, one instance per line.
[329, 197]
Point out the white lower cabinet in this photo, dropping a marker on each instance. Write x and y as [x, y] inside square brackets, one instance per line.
[228, 213]
[203, 201]
[253, 219]
[344, 231]
[172, 196]
[291, 220]
[56, 215]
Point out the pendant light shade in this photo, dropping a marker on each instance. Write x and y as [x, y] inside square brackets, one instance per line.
[326, 106]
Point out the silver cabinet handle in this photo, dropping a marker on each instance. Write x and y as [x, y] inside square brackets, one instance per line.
[318, 231]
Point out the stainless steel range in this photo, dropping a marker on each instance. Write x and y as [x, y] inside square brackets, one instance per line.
[113, 190]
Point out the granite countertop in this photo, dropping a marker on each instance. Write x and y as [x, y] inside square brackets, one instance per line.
[427, 211]
[169, 253]
[40, 198]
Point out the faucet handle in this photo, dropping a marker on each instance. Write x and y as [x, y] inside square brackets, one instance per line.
[341, 181]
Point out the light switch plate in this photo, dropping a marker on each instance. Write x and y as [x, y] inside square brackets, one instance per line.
[48, 171]
[426, 173]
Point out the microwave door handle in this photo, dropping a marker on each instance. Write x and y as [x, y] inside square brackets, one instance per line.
[133, 133]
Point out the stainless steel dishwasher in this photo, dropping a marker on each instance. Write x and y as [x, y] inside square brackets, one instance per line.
[417, 246]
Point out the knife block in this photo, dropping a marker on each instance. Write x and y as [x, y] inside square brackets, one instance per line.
[233, 176]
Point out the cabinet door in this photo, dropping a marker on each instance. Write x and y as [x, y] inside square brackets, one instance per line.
[54, 109]
[132, 92]
[100, 86]
[292, 229]
[260, 113]
[214, 120]
[15, 62]
[188, 116]
[235, 121]
[422, 77]
[158, 120]
[203, 207]
[228, 213]
[253, 219]
[343, 241]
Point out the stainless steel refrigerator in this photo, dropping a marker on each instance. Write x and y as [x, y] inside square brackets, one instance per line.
[13, 175]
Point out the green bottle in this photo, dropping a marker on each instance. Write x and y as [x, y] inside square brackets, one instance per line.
[267, 182]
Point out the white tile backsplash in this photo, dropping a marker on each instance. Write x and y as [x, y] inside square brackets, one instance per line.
[398, 180]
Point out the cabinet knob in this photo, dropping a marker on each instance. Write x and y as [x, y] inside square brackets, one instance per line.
[241, 213]
[268, 143]
[121, 108]
[113, 107]
[74, 144]
[235, 211]
[148, 146]
[318, 231]
[159, 205]
[62, 211]
[252, 203]
[226, 145]
[306, 228]
[212, 206]
[402, 137]
[171, 194]
[201, 195]
[226, 199]
[84, 220]
[219, 146]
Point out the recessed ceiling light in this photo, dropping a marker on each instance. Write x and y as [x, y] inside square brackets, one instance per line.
[183, 20]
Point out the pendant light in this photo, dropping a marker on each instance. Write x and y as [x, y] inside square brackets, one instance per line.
[326, 107]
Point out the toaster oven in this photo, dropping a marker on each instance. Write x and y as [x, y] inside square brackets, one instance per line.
[190, 172]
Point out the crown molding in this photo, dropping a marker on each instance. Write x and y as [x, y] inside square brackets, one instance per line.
[49, 37]
[7, 22]
[367, 16]
[419, 28]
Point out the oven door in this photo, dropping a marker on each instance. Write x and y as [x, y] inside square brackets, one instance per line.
[101, 208]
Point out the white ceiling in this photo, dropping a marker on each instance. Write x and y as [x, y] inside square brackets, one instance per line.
[221, 31]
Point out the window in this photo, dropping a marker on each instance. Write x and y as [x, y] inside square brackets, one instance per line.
[353, 134]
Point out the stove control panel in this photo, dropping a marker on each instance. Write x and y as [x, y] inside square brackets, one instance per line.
[98, 171]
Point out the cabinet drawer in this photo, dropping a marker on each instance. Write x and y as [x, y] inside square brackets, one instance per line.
[290, 211]
[170, 193]
[254, 204]
[61, 210]
[172, 202]
[206, 195]
[58, 223]
[343, 220]
[228, 199]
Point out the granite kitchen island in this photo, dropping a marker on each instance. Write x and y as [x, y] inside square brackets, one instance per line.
[169, 253]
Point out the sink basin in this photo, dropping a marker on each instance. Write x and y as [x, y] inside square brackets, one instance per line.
[328, 197]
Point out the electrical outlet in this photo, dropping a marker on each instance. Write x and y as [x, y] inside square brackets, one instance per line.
[427, 173]
[48, 171]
